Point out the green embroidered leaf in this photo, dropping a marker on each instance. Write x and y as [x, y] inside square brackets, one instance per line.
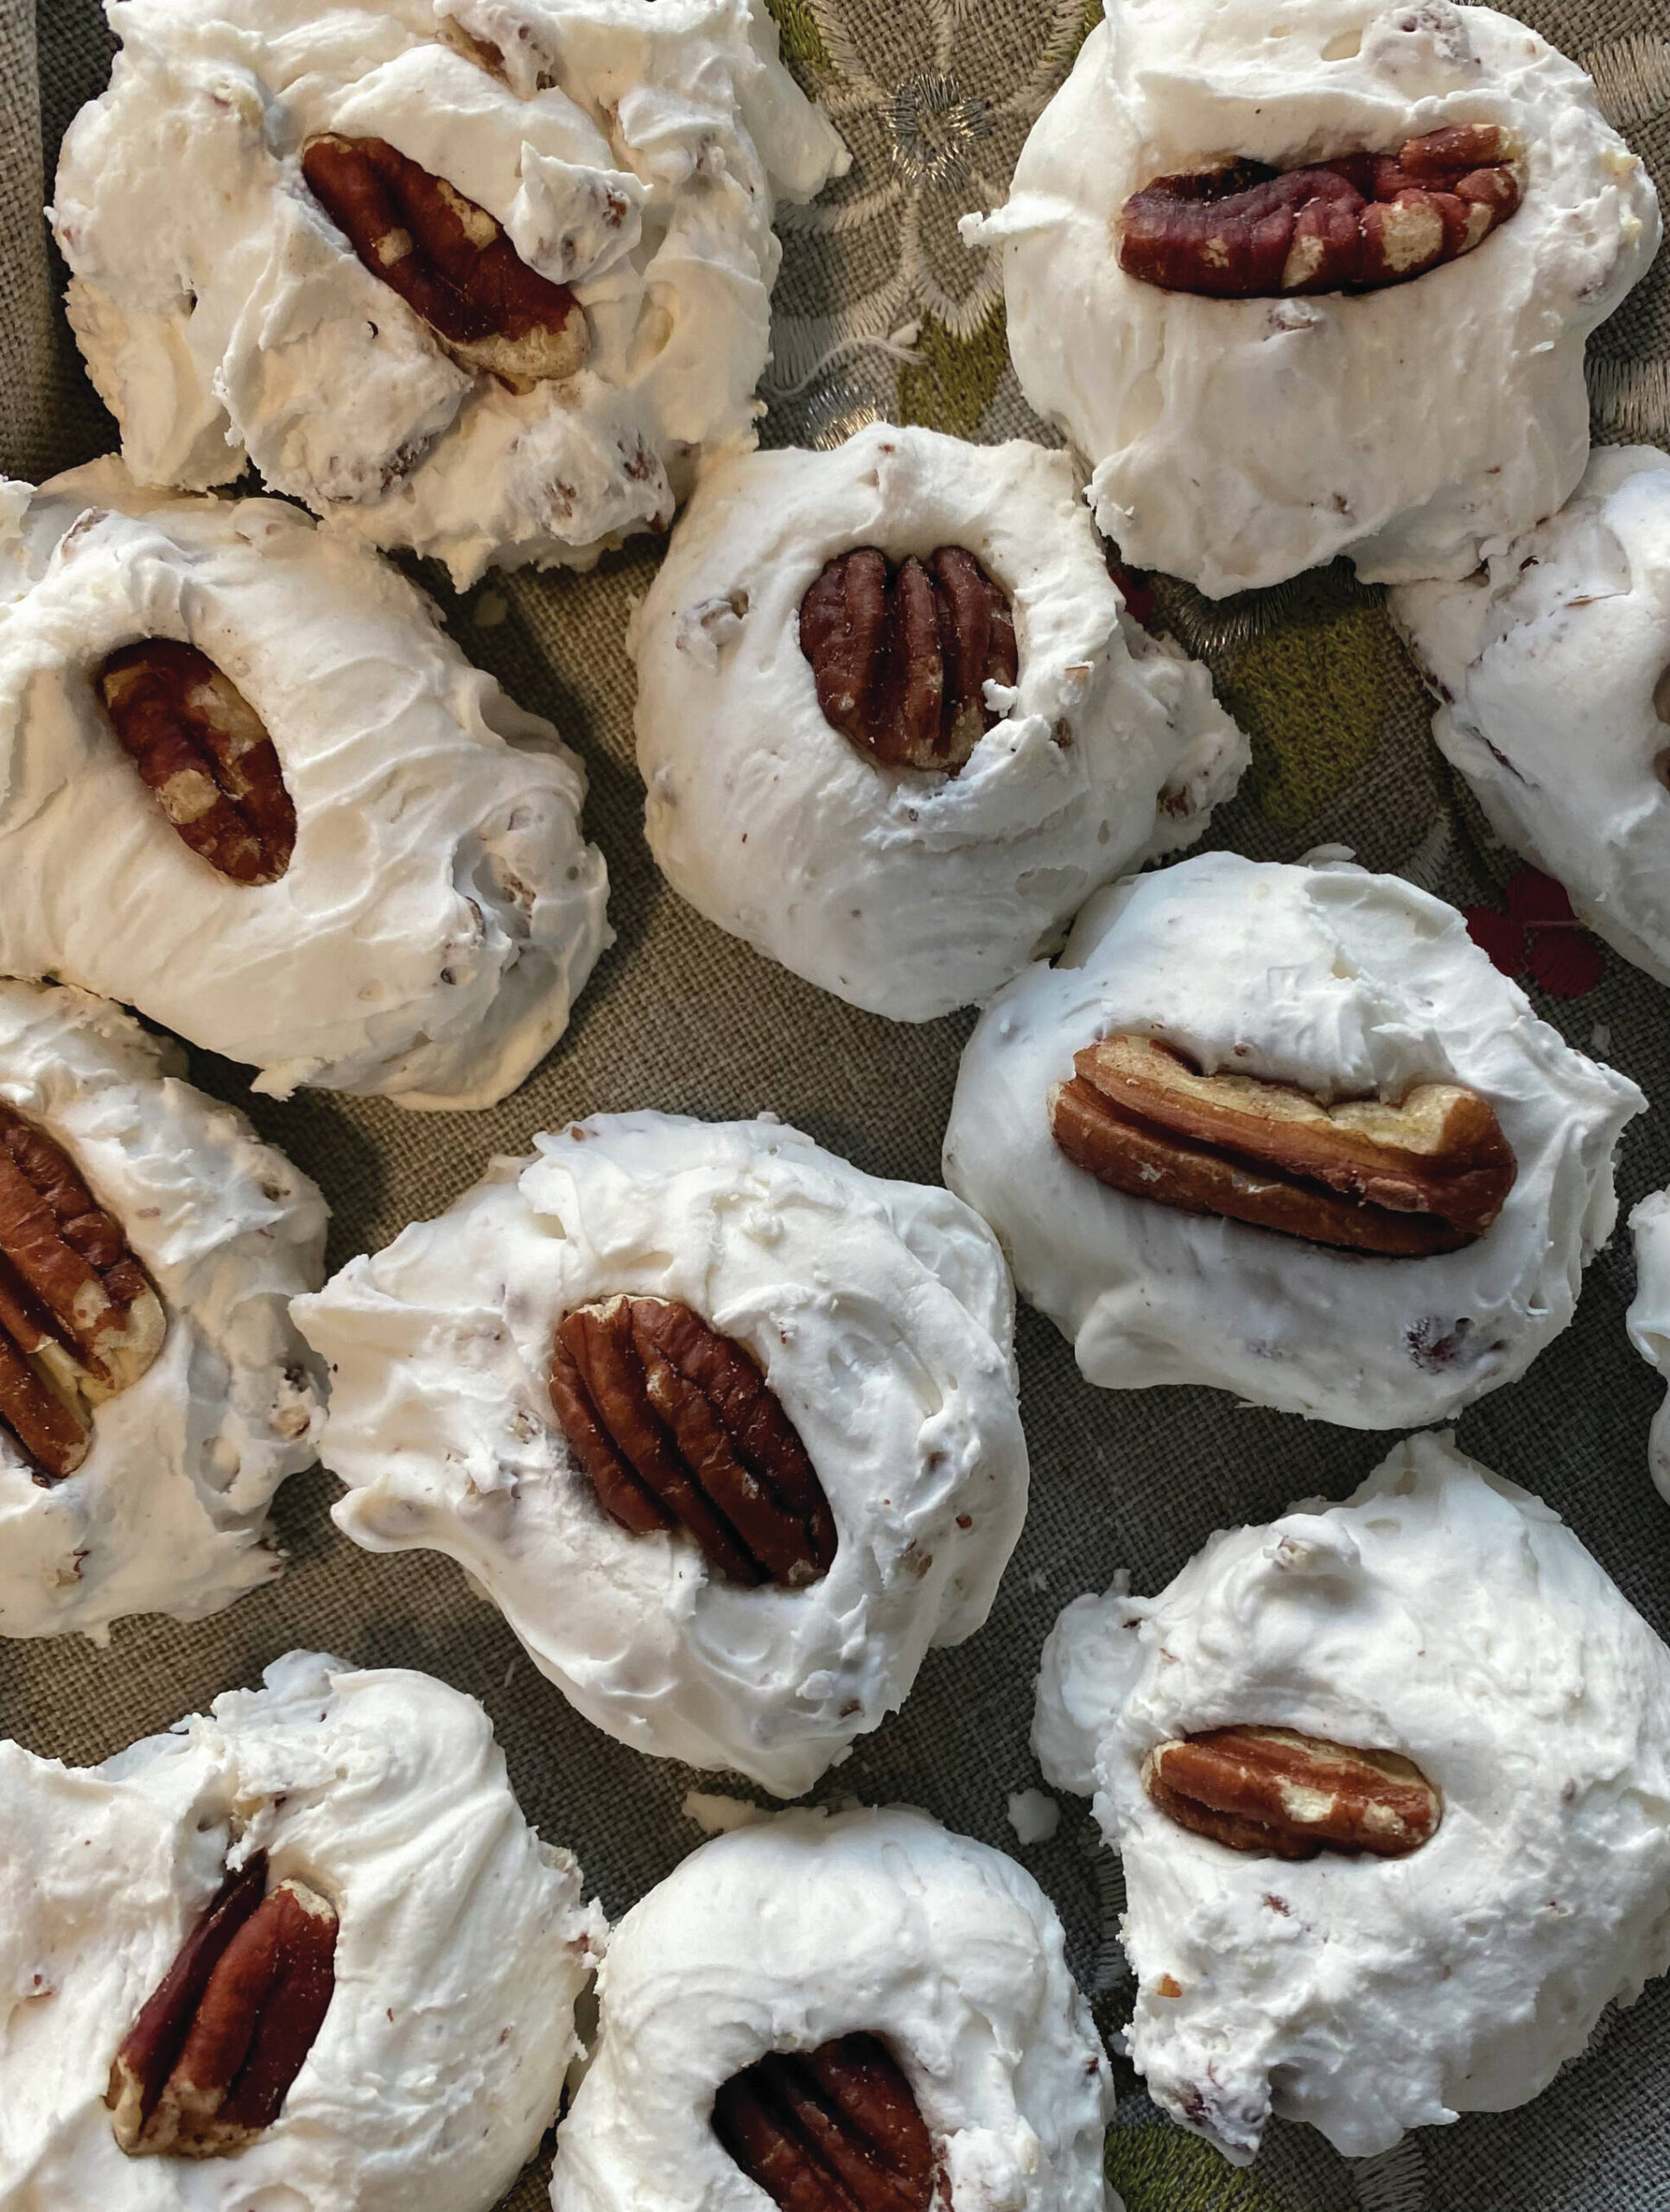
[1163, 2169]
[1311, 695]
[956, 380]
[798, 36]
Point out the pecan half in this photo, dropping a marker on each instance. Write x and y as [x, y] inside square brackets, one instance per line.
[1428, 1174]
[449, 261]
[1270, 1790]
[202, 748]
[901, 655]
[205, 2067]
[832, 2130]
[677, 1427]
[1249, 232]
[79, 1321]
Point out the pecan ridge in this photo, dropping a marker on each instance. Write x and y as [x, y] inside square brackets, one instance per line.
[901, 655]
[449, 261]
[1428, 1174]
[831, 2130]
[205, 2067]
[201, 747]
[677, 1427]
[1293, 1796]
[1247, 232]
[79, 1321]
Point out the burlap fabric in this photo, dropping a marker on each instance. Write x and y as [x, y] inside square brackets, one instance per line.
[881, 311]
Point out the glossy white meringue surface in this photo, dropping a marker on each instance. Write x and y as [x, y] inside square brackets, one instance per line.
[785, 1936]
[224, 315]
[1648, 1317]
[882, 1317]
[1349, 985]
[463, 1943]
[906, 891]
[441, 909]
[1237, 442]
[167, 1514]
[1447, 1615]
[1552, 666]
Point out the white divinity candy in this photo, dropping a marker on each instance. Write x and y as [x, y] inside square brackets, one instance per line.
[882, 1317]
[1239, 442]
[168, 1513]
[784, 1937]
[1648, 1317]
[1553, 668]
[1348, 985]
[462, 1945]
[1449, 1617]
[441, 908]
[909, 892]
[631, 149]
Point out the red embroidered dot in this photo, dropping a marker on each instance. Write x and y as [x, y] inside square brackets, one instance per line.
[1140, 601]
[1567, 962]
[1538, 901]
[1495, 934]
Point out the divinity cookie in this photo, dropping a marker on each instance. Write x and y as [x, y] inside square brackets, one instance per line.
[866, 2011]
[1319, 290]
[1388, 1778]
[153, 1392]
[303, 1950]
[727, 1429]
[250, 787]
[894, 722]
[1553, 664]
[484, 277]
[1287, 1131]
[1648, 1317]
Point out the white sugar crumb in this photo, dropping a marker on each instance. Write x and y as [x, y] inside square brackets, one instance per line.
[716, 1816]
[1033, 1817]
[490, 610]
[1038, 1580]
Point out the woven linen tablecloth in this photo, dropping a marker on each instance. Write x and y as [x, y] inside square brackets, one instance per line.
[880, 311]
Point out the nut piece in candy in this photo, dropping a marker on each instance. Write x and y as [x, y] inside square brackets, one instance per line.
[900, 655]
[79, 1321]
[676, 1427]
[205, 751]
[1428, 1174]
[482, 51]
[449, 261]
[832, 2130]
[1248, 233]
[205, 2067]
[1269, 1789]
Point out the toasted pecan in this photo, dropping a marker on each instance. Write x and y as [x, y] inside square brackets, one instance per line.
[1272, 1789]
[676, 1427]
[1428, 1173]
[449, 260]
[79, 1321]
[1246, 231]
[901, 656]
[836, 2129]
[205, 2070]
[202, 748]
